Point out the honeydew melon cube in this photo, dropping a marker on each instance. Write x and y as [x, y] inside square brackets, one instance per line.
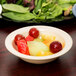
[36, 46]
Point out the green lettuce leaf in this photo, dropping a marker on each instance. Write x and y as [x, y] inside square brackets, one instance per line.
[19, 16]
[15, 8]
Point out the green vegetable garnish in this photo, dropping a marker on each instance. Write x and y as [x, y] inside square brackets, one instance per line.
[42, 10]
[15, 8]
[19, 16]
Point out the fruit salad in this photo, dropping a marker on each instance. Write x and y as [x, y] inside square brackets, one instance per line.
[38, 44]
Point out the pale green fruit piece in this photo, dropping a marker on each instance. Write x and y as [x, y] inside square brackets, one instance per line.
[35, 47]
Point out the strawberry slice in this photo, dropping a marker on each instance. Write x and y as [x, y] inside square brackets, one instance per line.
[22, 47]
[29, 38]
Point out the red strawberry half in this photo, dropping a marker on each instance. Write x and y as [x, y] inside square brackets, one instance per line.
[22, 47]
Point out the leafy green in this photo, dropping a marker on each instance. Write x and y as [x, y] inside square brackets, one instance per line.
[65, 6]
[19, 16]
[44, 11]
[72, 1]
[19, 2]
[38, 6]
[55, 11]
[36, 1]
[2, 1]
[66, 1]
[63, 1]
[15, 8]
[41, 17]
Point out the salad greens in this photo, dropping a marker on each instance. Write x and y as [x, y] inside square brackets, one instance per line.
[19, 16]
[43, 10]
[2, 1]
[15, 8]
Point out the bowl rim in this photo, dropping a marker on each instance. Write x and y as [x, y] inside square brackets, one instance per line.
[18, 54]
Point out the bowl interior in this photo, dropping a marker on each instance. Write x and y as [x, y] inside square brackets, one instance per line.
[60, 35]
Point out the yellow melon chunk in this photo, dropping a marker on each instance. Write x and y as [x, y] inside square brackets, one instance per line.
[42, 53]
[48, 37]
